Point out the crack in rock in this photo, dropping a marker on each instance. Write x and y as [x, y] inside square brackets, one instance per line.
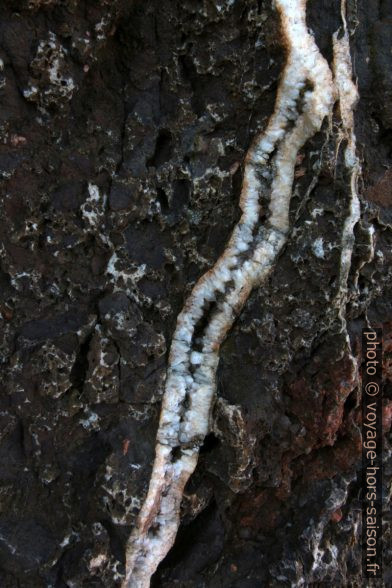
[305, 97]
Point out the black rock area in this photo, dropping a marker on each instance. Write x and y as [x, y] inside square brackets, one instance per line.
[123, 130]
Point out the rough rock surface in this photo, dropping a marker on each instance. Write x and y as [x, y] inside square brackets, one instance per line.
[123, 128]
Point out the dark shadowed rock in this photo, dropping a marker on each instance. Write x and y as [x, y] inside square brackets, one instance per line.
[123, 131]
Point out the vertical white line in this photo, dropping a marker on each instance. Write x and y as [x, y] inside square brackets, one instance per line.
[347, 95]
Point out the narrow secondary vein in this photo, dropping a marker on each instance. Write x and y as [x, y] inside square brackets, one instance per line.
[347, 95]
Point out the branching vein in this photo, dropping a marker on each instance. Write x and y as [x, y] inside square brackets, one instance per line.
[305, 97]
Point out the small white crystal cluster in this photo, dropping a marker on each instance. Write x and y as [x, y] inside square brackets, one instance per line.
[52, 82]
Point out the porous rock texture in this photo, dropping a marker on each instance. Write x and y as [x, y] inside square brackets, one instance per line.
[124, 127]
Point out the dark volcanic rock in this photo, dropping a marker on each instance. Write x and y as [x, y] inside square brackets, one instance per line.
[123, 131]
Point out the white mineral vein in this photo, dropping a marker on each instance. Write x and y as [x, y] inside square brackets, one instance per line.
[347, 95]
[305, 97]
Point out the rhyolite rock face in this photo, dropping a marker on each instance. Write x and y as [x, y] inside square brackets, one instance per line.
[123, 130]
